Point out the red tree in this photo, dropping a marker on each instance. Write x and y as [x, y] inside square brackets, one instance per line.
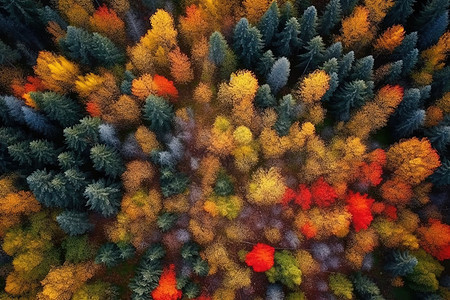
[165, 87]
[261, 258]
[359, 206]
[167, 287]
[322, 193]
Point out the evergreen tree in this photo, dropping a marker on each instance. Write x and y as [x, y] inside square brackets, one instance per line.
[43, 152]
[350, 96]
[314, 55]
[433, 30]
[348, 6]
[200, 267]
[430, 11]
[334, 83]
[331, 17]
[268, 24]
[77, 248]
[20, 153]
[399, 13]
[224, 185]
[394, 72]
[58, 107]
[334, 51]
[424, 277]
[345, 64]
[172, 182]
[441, 177]
[286, 115]
[22, 10]
[109, 255]
[363, 69]
[410, 102]
[103, 198]
[264, 97]
[108, 135]
[106, 159]
[125, 86]
[82, 136]
[217, 48]
[127, 251]
[190, 251]
[401, 263]
[13, 111]
[159, 114]
[439, 137]
[69, 159]
[265, 63]
[409, 123]
[38, 122]
[440, 84]
[287, 42]
[75, 44]
[308, 25]
[48, 14]
[279, 75]
[191, 290]
[74, 223]
[409, 62]
[166, 221]
[287, 12]
[104, 51]
[247, 43]
[8, 55]
[330, 66]
[408, 44]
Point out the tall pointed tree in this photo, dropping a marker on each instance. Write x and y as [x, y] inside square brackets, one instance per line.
[330, 18]
[268, 25]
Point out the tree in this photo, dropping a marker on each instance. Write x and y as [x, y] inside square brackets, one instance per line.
[106, 159]
[356, 29]
[8, 55]
[330, 17]
[109, 255]
[287, 42]
[247, 43]
[341, 285]
[285, 270]
[360, 208]
[95, 290]
[433, 30]
[103, 198]
[180, 67]
[266, 187]
[322, 193]
[82, 136]
[435, 239]
[365, 287]
[439, 137]
[268, 24]
[77, 249]
[412, 160]
[167, 286]
[390, 39]
[408, 44]
[351, 95]
[261, 258]
[159, 114]
[104, 51]
[264, 97]
[254, 9]
[308, 25]
[314, 55]
[58, 107]
[286, 115]
[196, 24]
[106, 22]
[424, 275]
[265, 63]
[399, 13]
[279, 74]
[217, 48]
[313, 87]
[166, 221]
[74, 223]
[401, 263]
[431, 10]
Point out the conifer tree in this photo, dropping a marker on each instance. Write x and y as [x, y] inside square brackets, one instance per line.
[159, 114]
[104, 51]
[287, 42]
[166, 221]
[58, 107]
[77, 248]
[265, 63]
[285, 115]
[286, 13]
[247, 43]
[347, 6]
[109, 255]
[308, 25]
[333, 51]
[74, 222]
[433, 30]
[401, 263]
[441, 177]
[365, 287]
[107, 160]
[103, 198]
[330, 18]
[439, 137]
[82, 136]
[430, 11]
[8, 55]
[408, 44]
[38, 122]
[279, 75]
[409, 62]
[314, 55]
[351, 95]
[43, 152]
[268, 24]
[264, 97]
[399, 13]
[363, 69]
[217, 48]
[345, 64]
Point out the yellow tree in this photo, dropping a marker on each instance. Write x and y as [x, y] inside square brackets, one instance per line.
[88, 83]
[390, 39]
[195, 24]
[254, 9]
[266, 187]
[14, 205]
[378, 9]
[180, 67]
[143, 86]
[106, 22]
[356, 29]
[221, 139]
[246, 152]
[313, 86]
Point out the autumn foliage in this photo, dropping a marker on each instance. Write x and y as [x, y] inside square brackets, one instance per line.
[260, 258]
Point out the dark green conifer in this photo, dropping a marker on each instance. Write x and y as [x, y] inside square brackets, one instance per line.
[106, 159]
[109, 255]
[74, 222]
[217, 48]
[264, 97]
[265, 63]
[166, 221]
[268, 24]
[103, 197]
[287, 42]
[159, 114]
[308, 25]
[314, 55]
[331, 17]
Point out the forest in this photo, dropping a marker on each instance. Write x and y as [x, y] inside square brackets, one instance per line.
[224, 149]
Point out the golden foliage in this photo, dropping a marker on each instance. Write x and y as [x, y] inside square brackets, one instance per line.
[266, 187]
[378, 9]
[86, 84]
[143, 86]
[356, 30]
[314, 86]
[138, 174]
[180, 67]
[255, 9]
[146, 139]
[390, 39]
[124, 113]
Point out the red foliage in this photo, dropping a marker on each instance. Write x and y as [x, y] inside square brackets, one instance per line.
[371, 173]
[288, 196]
[261, 258]
[33, 84]
[203, 297]
[391, 212]
[93, 109]
[359, 206]
[303, 197]
[165, 87]
[322, 193]
[435, 239]
[378, 207]
[167, 287]
[308, 230]
[378, 156]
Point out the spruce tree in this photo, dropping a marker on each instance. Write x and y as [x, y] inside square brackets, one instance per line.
[286, 13]
[401, 263]
[334, 51]
[264, 97]
[409, 123]
[365, 288]
[217, 48]
[363, 69]
[432, 31]
[439, 137]
[286, 115]
[172, 182]
[104, 51]
[308, 25]
[109, 255]
[350, 96]
[20, 153]
[12, 109]
[125, 86]
[200, 267]
[430, 11]
[74, 222]
[394, 72]
[331, 17]
[57, 107]
[334, 83]
[8, 55]
[43, 152]
[224, 185]
[159, 114]
[330, 66]
[287, 42]
[268, 24]
[127, 251]
[265, 63]
[348, 6]
[38, 122]
[345, 64]
[247, 43]
[279, 75]
[409, 62]
[75, 44]
[399, 13]
[190, 251]
[106, 159]
[69, 159]
[408, 44]
[103, 197]
[441, 177]
[314, 55]
[166, 221]
[82, 136]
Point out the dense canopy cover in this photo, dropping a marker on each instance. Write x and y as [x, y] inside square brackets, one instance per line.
[224, 149]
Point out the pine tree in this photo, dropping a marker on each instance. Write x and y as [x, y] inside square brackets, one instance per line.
[365, 288]
[401, 263]
[166, 221]
[127, 251]
[409, 62]
[308, 25]
[279, 75]
[8, 55]
[223, 185]
[38, 122]
[439, 137]
[341, 285]
[75, 44]
[409, 123]
[285, 115]
[347, 6]
[268, 24]
[430, 11]
[394, 73]
[20, 153]
[330, 66]
[351, 95]
[265, 63]
[331, 17]
[287, 42]
[433, 30]
[200, 267]
[334, 51]
[74, 223]
[217, 48]
[103, 198]
[314, 55]
[109, 255]
[441, 177]
[345, 64]
[264, 97]
[363, 69]
[22, 10]
[399, 13]
[172, 182]
[408, 44]
[285, 270]
[125, 86]
[247, 43]
[286, 13]
[58, 107]
[104, 51]
[68, 159]
[334, 83]
[82, 136]
[159, 114]
[106, 159]
[43, 152]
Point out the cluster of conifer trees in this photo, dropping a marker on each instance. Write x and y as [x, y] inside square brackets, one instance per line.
[212, 149]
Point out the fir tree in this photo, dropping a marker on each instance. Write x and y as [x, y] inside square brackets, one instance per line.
[159, 114]
[58, 107]
[265, 63]
[74, 223]
[264, 97]
[106, 159]
[351, 95]
[334, 51]
[268, 24]
[330, 66]
[286, 115]
[104, 51]
[363, 69]
[103, 198]
[399, 13]
[308, 25]
[348, 6]
[109, 255]
[287, 12]
[401, 263]
[166, 221]
[127, 251]
[365, 288]
[441, 177]
[247, 43]
[13, 108]
[69, 159]
[217, 48]
[76, 43]
[20, 153]
[433, 30]
[331, 17]
[125, 86]
[439, 137]
[82, 136]
[409, 123]
[8, 56]
[430, 11]
[279, 75]
[200, 267]
[43, 152]
[345, 64]
[224, 185]
[287, 42]
[409, 62]
[394, 72]
[48, 14]
[22, 10]
[408, 44]
[172, 182]
[314, 55]
[190, 251]
[38, 122]
[334, 83]
[191, 290]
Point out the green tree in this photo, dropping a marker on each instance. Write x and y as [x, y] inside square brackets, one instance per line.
[103, 197]
[401, 263]
[8, 55]
[314, 55]
[268, 24]
[345, 65]
[104, 51]
[265, 63]
[365, 288]
[247, 43]
[57, 107]
[109, 255]
[351, 95]
[43, 152]
[330, 18]
[363, 69]
[424, 276]
[158, 114]
[217, 48]
[341, 285]
[285, 270]
[279, 75]
[106, 159]
[287, 41]
[430, 11]
[264, 97]
[82, 136]
[308, 25]
[74, 222]
[166, 221]
[399, 13]
[77, 248]
[285, 115]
